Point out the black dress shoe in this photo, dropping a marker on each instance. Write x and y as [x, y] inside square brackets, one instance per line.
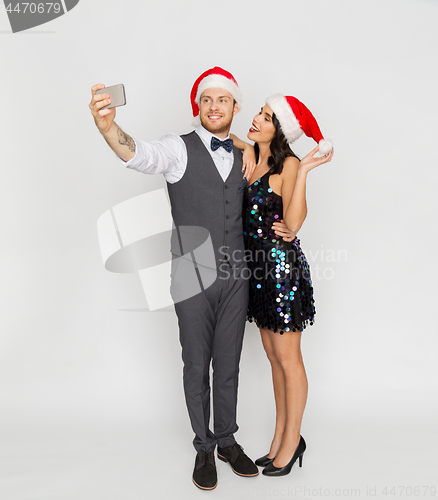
[204, 474]
[264, 461]
[241, 464]
[271, 470]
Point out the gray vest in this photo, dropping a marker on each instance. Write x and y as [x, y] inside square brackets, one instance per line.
[204, 205]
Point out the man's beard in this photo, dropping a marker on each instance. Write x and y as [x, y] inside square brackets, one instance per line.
[224, 128]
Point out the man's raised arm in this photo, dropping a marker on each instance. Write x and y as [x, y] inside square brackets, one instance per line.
[121, 143]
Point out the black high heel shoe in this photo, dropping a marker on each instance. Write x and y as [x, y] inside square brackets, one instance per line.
[264, 461]
[271, 470]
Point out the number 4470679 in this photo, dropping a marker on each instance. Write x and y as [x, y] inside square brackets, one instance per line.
[414, 491]
[40, 8]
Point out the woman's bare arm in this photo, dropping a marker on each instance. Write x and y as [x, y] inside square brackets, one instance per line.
[249, 163]
[293, 188]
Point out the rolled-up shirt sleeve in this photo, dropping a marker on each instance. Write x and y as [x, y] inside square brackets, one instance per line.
[168, 156]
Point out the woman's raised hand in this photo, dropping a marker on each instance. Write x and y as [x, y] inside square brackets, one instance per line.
[103, 118]
[249, 161]
[309, 162]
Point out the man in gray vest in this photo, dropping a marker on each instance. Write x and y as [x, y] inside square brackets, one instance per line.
[203, 171]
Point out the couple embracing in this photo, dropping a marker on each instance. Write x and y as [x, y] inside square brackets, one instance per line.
[251, 204]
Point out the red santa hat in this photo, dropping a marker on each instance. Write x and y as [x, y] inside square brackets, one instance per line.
[213, 78]
[295, 119]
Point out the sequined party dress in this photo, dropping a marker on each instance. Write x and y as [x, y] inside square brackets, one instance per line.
[280, 286]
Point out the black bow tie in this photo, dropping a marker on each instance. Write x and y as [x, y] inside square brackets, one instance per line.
[216, 144]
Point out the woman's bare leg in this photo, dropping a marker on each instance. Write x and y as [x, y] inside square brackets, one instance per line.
[287, 351]
[279, 392]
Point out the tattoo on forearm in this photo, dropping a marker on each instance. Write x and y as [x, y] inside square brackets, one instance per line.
[125, 140]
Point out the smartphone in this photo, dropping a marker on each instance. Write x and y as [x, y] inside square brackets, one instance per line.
[116, 94]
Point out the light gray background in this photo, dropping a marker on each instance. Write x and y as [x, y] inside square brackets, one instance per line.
[91, 395]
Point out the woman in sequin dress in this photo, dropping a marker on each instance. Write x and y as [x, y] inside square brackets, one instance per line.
[281, 294]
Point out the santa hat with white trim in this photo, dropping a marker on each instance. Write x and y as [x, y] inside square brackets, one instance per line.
[213, 78]
[295, 119]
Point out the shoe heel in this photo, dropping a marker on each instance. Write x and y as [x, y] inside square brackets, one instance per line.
[301, 460]
[220, 457]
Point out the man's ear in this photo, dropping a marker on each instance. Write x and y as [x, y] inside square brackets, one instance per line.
[236, 109]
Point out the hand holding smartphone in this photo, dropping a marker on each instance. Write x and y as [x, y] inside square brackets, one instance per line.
[116, 94]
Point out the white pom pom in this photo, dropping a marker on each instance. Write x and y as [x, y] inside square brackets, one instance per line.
[325, 146]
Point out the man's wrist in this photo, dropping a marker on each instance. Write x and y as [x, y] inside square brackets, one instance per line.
[112, 131]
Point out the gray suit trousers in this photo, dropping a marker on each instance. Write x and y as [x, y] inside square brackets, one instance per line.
[211, 326]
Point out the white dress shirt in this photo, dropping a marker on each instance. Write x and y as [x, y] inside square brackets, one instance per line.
[168, 156]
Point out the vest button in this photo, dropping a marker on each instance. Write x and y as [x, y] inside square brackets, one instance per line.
[227, 217]
[226, 187]
[226, 232]
[226, 201]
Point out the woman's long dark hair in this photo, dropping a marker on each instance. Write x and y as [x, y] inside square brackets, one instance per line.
[280, 149]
